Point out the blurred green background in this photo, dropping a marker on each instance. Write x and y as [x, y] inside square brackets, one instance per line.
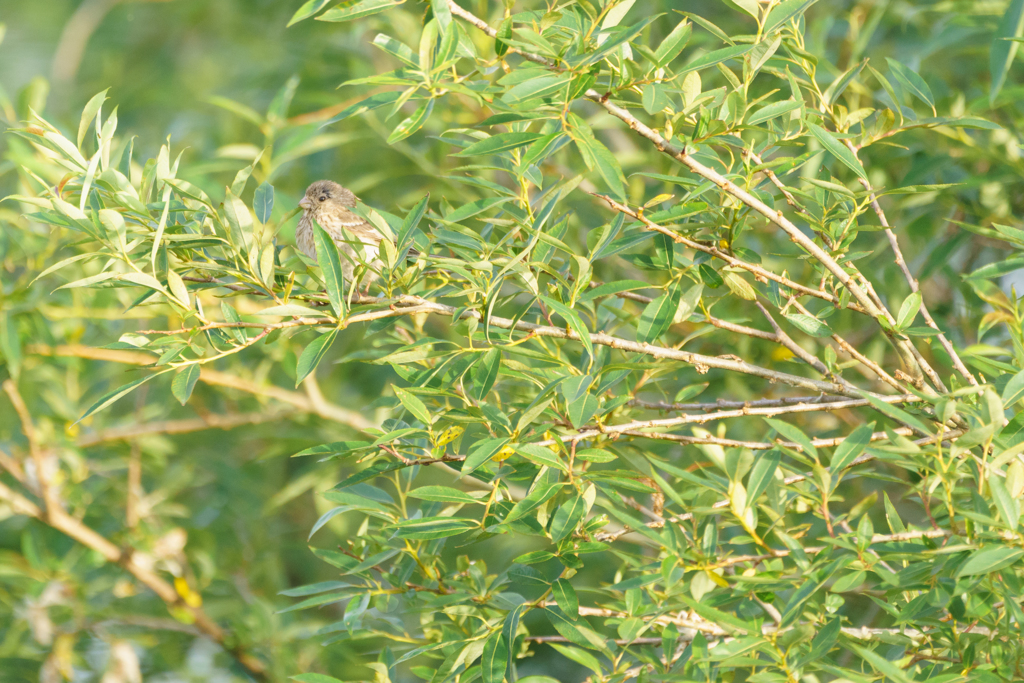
[173, 68]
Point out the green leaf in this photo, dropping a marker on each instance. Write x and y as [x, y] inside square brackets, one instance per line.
[1006, 504]
[656, 318]
[413, 123]
[567, 517]
[485, 372]
[655, 98]
[430, 528]
[307, 10]
[312, 355]
[475, 207]
[596, 155]
[1003, 51]
[502, 142]
[724, 619]
[761, 474]
[503, 35]
[494, 659]
[121, 391]
[895, 413]
[716, 57]
[184, 382]
[364, 8]
[1014, 389]
[773, 110]
[566, 598]
[784, 12]
[330, 265]
[912, 82]
[545, 85]
[837, 149]
[850, 448]
[414, 405]
[908, 311]
[263, 202]
[574, 320]
[538, 495]
[92, 108]
[443, 494]
[577, 633]
[480, 453]
[809, 324]
[673, 44]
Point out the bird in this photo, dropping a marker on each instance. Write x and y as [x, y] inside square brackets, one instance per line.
[329, 204]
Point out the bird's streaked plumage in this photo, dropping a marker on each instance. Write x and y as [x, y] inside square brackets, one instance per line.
[329, 204]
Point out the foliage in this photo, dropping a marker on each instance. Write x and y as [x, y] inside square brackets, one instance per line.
[667, 398]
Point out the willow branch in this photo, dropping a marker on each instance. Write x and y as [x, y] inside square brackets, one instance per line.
[760, 273]
[75, 529]
[214, 421]
[46, 491]
[911, 280]
[727, 186]
[772, 408]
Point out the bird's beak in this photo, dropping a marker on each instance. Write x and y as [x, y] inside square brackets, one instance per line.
[305, 203]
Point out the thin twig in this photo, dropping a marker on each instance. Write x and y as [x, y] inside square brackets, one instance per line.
[911, 280]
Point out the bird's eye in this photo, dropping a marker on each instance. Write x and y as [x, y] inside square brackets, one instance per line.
[323, 198]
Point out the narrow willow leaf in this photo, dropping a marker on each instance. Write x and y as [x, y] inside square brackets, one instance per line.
[773, 110]
[263, 202]
[673, 44]
[92, 108]
[443, 494]
[784, 12]
[656, 318]
[307, 10]
[481, 452]
[184, 382]
[895, 413]
[574, 320]
[430, 528]
[912, 82]
[121, 391]
[503, 35]
[655, 98]
[485, 372]
[330, 265]
[1003, 51]
[761, 474]
[908, 311]
[717, 57]
[494, 659]
[502, 142]
[413, 123]
[312, 355]
[850, 448]
[809, 324]
[567, 517]
[545, 85]
[837, 149]
[1006, 504]
[364, 8]
[566, 599]
[414, 405]
[1014, 389]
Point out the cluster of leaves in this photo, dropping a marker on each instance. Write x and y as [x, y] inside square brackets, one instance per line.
[544, 478]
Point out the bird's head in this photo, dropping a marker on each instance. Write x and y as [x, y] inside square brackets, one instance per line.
[325, 192]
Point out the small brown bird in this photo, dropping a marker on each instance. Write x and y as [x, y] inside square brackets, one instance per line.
[328, 203]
